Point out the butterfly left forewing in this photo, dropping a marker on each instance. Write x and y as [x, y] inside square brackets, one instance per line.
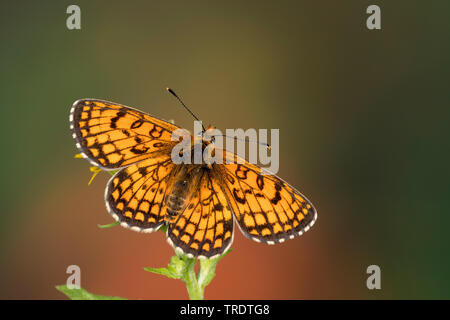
[112, 136]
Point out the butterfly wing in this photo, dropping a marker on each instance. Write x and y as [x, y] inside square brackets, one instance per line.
[112, 136]
[135, 195]
[205, 228]
[266, 208]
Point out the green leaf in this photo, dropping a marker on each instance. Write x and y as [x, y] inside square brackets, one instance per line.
[174, 270]
[177, 265]
[182, 267]
[163, 272]
[163, 228]
[81, 294]
[105, 226]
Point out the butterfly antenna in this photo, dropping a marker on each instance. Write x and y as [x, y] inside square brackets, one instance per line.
[252, 141]
[182, 103]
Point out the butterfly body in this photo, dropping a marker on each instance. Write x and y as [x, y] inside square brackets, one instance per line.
[185, 180]
[199, 202]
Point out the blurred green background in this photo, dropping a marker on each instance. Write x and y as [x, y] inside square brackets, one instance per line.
[364, 128]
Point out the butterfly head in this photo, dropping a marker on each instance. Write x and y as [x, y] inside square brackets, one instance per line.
[205, 137]
[208, 136]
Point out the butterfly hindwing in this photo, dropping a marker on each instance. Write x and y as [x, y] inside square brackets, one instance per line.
[112, 136]
[134, 196]
[205, 227]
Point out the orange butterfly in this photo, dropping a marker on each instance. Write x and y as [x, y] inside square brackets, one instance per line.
[197, 202]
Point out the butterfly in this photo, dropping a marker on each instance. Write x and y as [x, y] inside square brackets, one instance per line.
[197, 202]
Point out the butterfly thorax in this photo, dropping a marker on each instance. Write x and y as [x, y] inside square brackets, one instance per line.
[201, 152]
[185, 179]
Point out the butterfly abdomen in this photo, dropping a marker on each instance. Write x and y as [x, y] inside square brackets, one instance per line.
[175, 204]
[180, 192]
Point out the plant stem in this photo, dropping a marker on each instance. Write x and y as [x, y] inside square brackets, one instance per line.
[195, 291]
[183, 268]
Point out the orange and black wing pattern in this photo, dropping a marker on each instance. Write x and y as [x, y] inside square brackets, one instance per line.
[116, 137]
[112, 136]
[135, 195]
[205, 228]
[267, 209]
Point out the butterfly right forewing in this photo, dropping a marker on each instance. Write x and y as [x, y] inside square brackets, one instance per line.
[267, 209]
